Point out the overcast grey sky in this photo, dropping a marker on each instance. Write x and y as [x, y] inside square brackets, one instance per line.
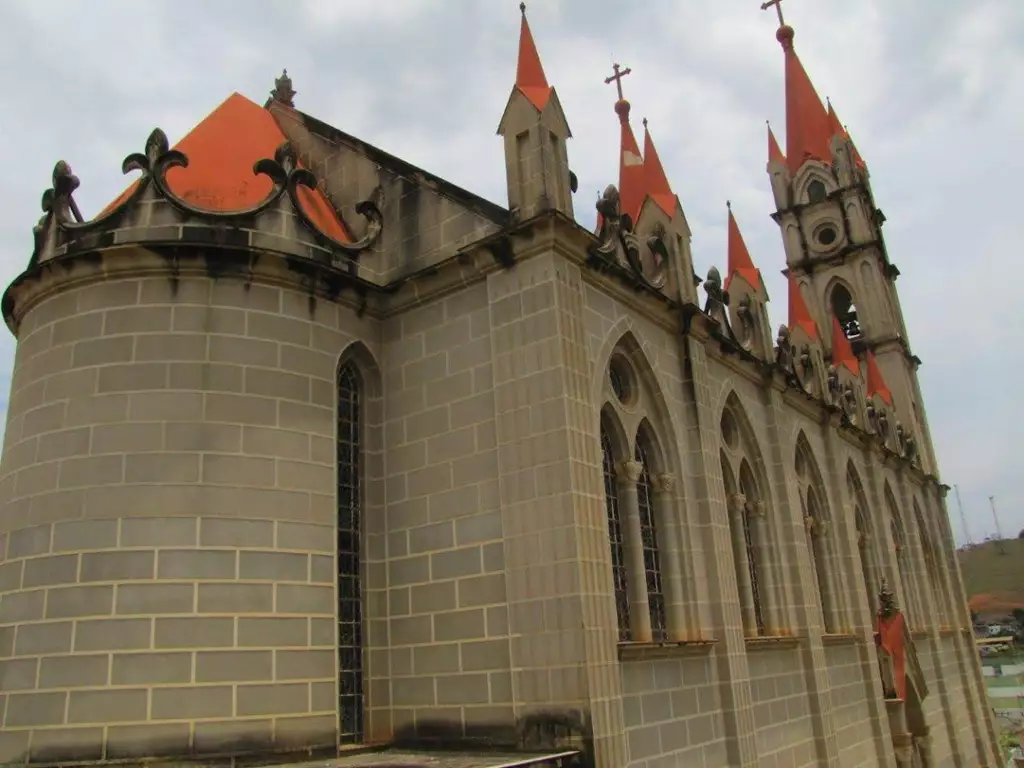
[930, 90]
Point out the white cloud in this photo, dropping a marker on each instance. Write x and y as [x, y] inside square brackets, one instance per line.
[928, 94]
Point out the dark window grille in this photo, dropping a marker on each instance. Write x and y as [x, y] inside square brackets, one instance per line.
[350, 618]
[652, 560]
[611, 501]
[752, 566]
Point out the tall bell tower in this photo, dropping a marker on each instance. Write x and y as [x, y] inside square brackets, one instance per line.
[832, 233]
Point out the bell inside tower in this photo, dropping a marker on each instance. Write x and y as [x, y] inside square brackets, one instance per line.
[846, 312]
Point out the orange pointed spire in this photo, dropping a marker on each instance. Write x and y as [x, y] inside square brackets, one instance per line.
[876, 383]
[838, 129]
[842, 352]
[655, 180]
[808, 128]
[631, 163]
[774, 151]
[799, 315]
[530, 78]
[740, 262]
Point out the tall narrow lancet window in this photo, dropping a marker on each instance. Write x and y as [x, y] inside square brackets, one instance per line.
[350, 614]
[816, 526]
[615, 536]
[899, 540]
[748, 488]
[931, 567]
[649, 537]
[865, 540]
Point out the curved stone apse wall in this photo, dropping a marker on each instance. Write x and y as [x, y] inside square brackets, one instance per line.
[168, 580]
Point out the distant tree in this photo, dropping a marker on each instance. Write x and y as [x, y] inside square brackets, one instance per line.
[1018, 616]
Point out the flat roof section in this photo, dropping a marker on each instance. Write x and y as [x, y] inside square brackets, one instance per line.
[431, 759]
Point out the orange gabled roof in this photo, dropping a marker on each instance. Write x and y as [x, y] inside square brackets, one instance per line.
[842, 352]
[632, 181]
[530, 79]
[739, 259]
[838, 129]
[876, 383]
[774, 151]
[799, 314]
[222, 150]
[808, 130]
[655, 180]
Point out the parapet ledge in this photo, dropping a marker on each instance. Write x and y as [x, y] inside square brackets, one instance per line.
[638, 651]
[762, 642]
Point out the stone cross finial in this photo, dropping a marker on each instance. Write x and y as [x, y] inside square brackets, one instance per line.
[617, 78]
[778, 9]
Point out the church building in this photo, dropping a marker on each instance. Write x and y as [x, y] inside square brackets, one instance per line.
[312, 453]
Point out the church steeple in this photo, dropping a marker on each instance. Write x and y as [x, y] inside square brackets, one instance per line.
[655, 180]
[832, 234]
[799, 314]
[739, 262]
[632, 181]
[535, 132]
[530, 78]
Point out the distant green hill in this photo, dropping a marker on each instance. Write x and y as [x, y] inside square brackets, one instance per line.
[994, 581]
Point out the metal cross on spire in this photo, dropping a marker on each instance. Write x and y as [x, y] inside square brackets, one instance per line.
[778, 9]
[617, 78]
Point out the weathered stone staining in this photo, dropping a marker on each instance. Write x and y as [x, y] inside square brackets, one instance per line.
[308, 449]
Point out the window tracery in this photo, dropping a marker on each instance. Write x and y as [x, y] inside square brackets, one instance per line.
[866, 542]
[748, 523]
[350, 604]
[615, 536]
[817, 521]
[639, 504]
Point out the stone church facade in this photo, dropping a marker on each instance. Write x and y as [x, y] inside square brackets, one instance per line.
[308, 449]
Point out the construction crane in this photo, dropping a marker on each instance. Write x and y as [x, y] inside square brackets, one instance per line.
[963, 517]
[1000, 544]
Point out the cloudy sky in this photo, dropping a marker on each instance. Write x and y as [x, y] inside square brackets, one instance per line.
[929, 89]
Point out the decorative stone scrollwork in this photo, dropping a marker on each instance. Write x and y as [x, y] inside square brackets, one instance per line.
[784, 348]
[737, 503]
[745, 313]
[835, 388]
[665, 482]
[757, 509]
[154, 162]
[617, 243]
[630, 471]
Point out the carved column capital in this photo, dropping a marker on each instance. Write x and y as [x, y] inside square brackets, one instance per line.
[630, 471]
[823, 528]
[757, 508]
[737, 503]
[810, 524]
[665, 482]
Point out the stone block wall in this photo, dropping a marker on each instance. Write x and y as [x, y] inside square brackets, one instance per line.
[448, 643]
[168, 575]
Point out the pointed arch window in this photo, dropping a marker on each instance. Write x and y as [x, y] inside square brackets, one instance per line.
[931, 567]
[350, 608]
[649, 537]
[817, 522]
[845, 311]
[620, 581]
